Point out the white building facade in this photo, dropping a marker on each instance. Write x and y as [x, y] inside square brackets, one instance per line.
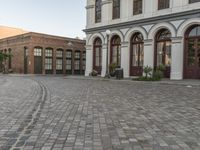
[144, 33]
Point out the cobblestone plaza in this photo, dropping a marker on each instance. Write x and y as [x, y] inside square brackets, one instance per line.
[38, 112]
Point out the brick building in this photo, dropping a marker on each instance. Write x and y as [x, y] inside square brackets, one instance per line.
[36, 53]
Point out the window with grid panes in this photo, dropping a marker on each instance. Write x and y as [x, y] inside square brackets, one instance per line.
[48, 59]
[37, 52]
[137, 7]
[69, 60]
[77, 60]
[116, 9]
[163, 4]
[98, 11]
[59, 59]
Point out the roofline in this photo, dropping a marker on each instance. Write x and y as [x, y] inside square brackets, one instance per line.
[43, 34]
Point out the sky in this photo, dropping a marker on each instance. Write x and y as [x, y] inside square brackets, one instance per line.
[55, 17]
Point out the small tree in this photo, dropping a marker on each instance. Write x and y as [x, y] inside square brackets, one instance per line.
[3, 60]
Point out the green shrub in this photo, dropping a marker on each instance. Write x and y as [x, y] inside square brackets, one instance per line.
[161, 67]
[157, 75]
[152, 75]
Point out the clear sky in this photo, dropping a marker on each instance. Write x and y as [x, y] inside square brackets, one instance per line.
[57, 17]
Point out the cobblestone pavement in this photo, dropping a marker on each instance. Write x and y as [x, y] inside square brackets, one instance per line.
[80, 114]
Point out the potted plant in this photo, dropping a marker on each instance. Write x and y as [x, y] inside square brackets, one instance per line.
[112, 68]
[94, 73]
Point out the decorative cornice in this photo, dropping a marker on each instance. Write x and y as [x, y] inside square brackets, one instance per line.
[177, 40]
[168, 17]
[106, 2]
[89, 7]
[148, 42]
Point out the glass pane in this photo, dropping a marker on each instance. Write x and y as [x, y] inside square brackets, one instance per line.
[37, 52]
[160, 47]
[58, 64]
[119, 55]
[168, 54]
[69, 54]
[164, 34]
[114, 54]
[59, 53]
[191, 52]
[77, 65]
[135, 55]
[77, 55]
[97, 61]
[69, 65]
[141, 55]
[97, 52]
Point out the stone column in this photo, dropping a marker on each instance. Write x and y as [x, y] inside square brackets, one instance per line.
[125, 63]
[104, 57]
[148, 53]
[89, 59]
[177, 52]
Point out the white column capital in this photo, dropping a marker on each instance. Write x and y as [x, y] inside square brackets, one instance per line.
[148, 42]
[176, 40]
[89, 7]
[88, 47]
[124, 44]
[106, 2]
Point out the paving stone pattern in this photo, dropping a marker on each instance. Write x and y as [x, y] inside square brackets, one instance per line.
[57, 113]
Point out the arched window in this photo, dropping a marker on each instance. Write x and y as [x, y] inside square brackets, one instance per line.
[163, 50]
[136, 54]
[116, 9]
[48, 60]
[137, 7]
[163, 4]
[192, 52]
[98, 11]
[69, 61]
[59, 61]
[77, 62]
[97, 55]
[116, 50]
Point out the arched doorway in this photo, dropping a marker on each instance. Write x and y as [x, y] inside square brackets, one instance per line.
[136, 54]
[192, 53]
[163, 51]
[115, 51]
[37, 60]
[97, 55]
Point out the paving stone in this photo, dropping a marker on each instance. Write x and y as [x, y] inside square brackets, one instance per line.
[55, 113]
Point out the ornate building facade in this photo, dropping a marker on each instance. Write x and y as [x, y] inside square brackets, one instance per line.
[144, 32]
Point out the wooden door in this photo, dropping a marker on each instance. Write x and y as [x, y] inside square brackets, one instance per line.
[37, 65]
[192, 59]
